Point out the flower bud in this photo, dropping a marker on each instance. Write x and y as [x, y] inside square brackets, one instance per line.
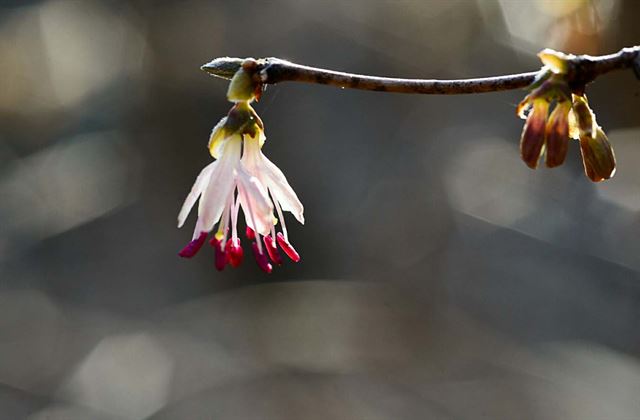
[243, 87]
[557, 133]
[597, 156]
[556, 61]
[533, 134]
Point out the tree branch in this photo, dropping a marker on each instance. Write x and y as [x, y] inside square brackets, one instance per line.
[583, 69]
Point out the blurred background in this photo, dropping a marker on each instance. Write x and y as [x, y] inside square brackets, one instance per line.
[440, 277]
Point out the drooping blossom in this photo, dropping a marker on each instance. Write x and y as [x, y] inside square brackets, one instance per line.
[548, 133]
[241, 178]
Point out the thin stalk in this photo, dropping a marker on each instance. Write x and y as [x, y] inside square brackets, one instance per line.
[584, 69]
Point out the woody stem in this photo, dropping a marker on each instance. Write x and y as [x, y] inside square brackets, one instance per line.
[584, 69]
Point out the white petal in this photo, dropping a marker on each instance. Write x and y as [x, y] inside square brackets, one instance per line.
[220, 186]
[281, 190]
[251, 155]
[198, 187]
[255, 202]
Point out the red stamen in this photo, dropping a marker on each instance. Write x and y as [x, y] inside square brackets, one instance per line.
[234, 252]
[251, 235]
[272, 250]
[287, 248]
[220, 255]
[194, 246]
[261, 259]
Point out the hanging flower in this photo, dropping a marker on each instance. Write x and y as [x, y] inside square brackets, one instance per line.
[222, 188]
[241, 178]
[549, 133]
[543, 132]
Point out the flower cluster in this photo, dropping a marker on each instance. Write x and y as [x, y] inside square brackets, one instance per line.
[241, 177]
[571, 117]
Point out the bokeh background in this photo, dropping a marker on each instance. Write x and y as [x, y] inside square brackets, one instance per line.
[440, 277]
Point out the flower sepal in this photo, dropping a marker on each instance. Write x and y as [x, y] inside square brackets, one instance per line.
[240, 120]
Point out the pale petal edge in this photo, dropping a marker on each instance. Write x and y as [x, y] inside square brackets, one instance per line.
[282, 191]
[220, 187]
[198, 187]
[255, 202]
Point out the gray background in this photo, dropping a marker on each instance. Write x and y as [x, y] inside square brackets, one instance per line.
[440, 277]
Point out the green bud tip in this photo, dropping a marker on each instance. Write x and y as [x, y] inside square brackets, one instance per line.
[223, 67]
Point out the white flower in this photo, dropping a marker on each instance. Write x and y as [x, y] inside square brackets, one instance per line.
[250, 182]
[284, 198]
[222, 187]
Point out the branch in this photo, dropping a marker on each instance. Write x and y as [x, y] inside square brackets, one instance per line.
[583, 69]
